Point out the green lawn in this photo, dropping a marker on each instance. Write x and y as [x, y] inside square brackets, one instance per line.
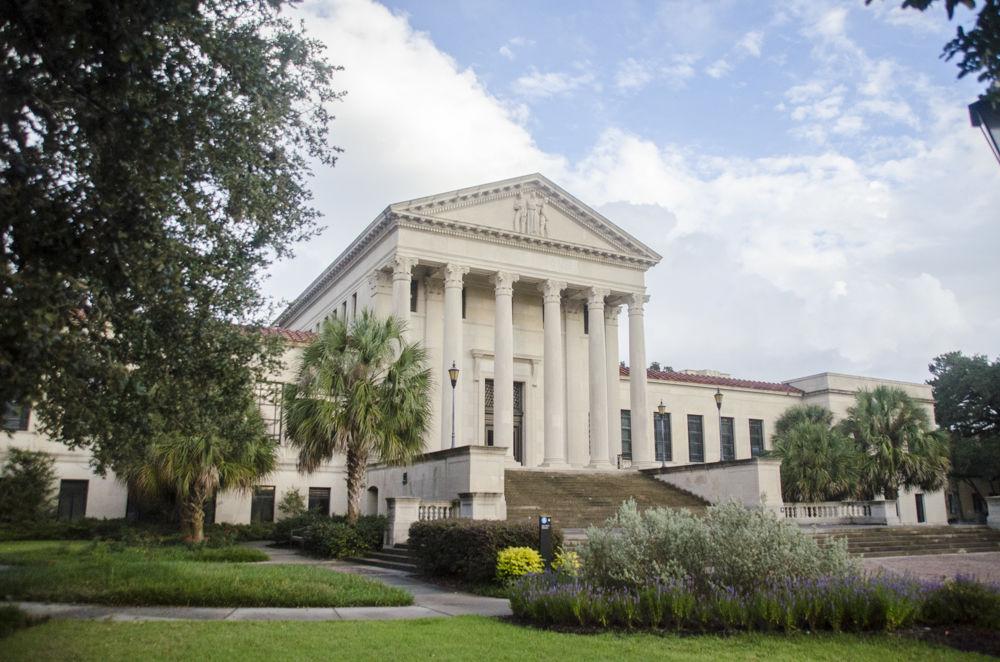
[465, 638]
[111, 574]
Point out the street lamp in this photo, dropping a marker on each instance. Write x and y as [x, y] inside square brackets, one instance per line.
[718, 405]
[987, 118]
[453, 376]
[662, 408]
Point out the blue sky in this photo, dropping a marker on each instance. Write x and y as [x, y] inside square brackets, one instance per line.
[806, 168]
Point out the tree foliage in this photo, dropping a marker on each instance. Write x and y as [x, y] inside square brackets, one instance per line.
[900, 449]
[818, 461]
[27, 487]
[979, 47]
[363, 391]
[967, 397]
[234, 454]
[153, 156]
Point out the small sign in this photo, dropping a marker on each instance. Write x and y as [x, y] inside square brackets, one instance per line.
[545, 539]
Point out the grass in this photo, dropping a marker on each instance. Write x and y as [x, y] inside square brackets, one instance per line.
[114, 574]
[462, 638]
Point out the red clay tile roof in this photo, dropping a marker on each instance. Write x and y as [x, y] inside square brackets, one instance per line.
[289, 334]
[731, 382]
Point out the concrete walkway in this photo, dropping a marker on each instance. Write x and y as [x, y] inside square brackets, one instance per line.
[982, 566]
[430, 601]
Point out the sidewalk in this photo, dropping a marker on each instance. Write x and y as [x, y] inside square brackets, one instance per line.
[429, 601]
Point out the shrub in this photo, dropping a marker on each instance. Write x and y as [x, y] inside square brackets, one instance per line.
[13, 619]
[467, 549]
[731, 547]
[567, 563]
[963, 601]
[224, 533]
[26, 487]
[516, 562]
[333, 537]
[292, 504]
[281, 533]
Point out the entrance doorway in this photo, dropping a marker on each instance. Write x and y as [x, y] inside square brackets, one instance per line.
[921, 515]
[518, 418]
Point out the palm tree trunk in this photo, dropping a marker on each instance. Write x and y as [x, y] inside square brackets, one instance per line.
[193, 514]
[357, 463]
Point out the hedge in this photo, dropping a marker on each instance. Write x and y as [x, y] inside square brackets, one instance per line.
[467, 549]
[332, 537]
[132, 532]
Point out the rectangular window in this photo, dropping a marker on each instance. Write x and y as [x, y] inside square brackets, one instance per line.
[333, 315]
[15, 417]
[319, 500]
[661, 432]
[726, 438]
[269, 400]
[72, 499]
[586, 319]
[626, 434]
[696, 439]
[354, 306]
[756, 437]
[413, 295]
[262, 505]
[343, 311]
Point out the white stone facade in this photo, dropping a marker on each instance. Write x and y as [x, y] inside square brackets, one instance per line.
[528, 292]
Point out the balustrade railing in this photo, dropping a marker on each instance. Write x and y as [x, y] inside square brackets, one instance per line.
[438, 509]
[841, 512]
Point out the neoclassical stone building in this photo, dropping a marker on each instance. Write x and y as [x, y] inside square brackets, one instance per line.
[529, 293]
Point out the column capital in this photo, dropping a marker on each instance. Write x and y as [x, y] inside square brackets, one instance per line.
[503, 282]
[378, 282]
[402, 266]
[595, 298]
[611, 312]
[434, 286]
[454, 274]
[552, 290]
[636, 301]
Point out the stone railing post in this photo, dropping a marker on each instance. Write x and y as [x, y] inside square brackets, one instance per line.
[403, 511]
[884, 512]
[993, 512]
[483, 505]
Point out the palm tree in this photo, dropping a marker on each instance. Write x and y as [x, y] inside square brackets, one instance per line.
[818, 462]
[192, 468]
[900, 448]
[363, 391]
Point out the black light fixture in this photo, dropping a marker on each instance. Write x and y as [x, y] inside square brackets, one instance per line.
[987, 118]
[662, 409]
[718, 399]
[453, 376]
[718, 405]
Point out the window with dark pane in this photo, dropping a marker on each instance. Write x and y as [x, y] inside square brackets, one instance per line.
[756, 437]
[661, 432]
[586, 319]
[15, 417]
[262, 504]
[413, 295]
[728, 441]
[319, 500]
[269, 400]
[72, 499]
[696, 438]
[626, 434]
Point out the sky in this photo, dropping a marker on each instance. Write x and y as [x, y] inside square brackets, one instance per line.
[806, 168]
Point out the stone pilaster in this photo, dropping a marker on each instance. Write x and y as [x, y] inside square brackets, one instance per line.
[642, 439]
[433, 337]
[554, 408]
[577, 399]
[598, 369]
[402, 274]
[503, 361]
[611, 359]
[452, 353]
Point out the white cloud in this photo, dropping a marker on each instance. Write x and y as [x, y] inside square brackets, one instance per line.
[773, 267]
[632, 74]
[539, 85]
[679, 70]
[508, 49]
[751, 43]
[718, 69]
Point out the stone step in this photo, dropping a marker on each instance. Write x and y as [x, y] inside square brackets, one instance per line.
[906, 541]
[393, 558]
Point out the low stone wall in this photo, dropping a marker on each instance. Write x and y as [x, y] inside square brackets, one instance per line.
[753, 482]
[842, 512]
[993, 512]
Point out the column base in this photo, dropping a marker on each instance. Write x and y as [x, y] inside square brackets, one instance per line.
[554, 464]
[600, 465]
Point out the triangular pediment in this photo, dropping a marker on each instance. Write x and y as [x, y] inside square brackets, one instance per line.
[531, 208]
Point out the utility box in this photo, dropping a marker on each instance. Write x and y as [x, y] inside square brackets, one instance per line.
[545, 539]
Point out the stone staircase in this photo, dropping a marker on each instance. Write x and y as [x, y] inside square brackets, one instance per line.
[881, 541]
[578, 499]
[390, 558]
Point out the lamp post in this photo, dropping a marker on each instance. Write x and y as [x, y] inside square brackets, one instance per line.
[662, 409]
[453, 376]
[987, 118]
[718, 405]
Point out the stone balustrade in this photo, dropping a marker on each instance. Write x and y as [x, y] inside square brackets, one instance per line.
[842, 512]
[437, 509]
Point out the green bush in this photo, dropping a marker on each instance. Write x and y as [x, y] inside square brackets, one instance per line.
[332, 537]
[26, 487]
[730, 547]
[962, 601]
[292, 504]
[224, 533]
[467, 549]
[281, 534]
[13, 619]
[516, 562]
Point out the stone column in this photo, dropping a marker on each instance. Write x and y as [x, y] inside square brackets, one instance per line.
[598, 368]
[380, 293]
[433, 332]
[576, 399]
[402, 270]
[503, 361]
[614, 408]
[451, 352]
[642, 441]
[554, 409]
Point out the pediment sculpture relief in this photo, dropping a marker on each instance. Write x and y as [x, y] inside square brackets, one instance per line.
[529, 214]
